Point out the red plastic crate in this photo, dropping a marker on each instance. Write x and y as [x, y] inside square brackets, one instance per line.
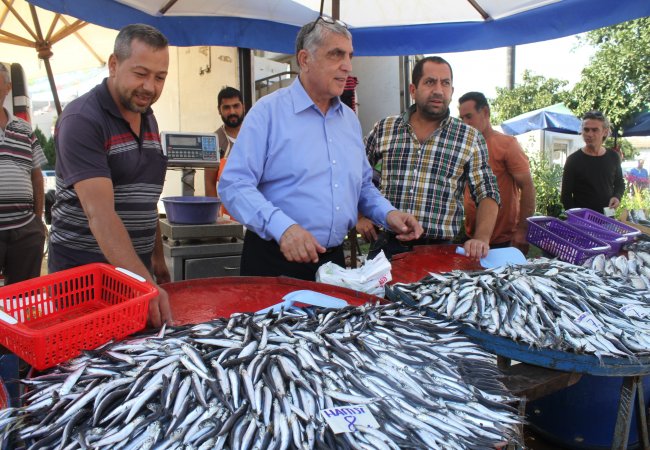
[563, 240]
[63, 313]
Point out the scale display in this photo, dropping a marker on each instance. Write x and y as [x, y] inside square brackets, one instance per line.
[186, 149]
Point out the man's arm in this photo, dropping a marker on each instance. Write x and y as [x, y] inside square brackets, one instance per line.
[38, 190]
[96, 197]
[158, 264]
[486, 217]
[524, 182]
[619, 187]
[210, 180]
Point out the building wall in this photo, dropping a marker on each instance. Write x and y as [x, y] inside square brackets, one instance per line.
[189, 99]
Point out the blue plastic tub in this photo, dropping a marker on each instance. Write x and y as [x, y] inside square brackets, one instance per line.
[187, 210]
[583, 416]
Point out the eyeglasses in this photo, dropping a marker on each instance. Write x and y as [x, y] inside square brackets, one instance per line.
[326, 19]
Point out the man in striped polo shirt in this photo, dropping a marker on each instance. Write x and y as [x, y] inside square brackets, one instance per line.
[110, 168]
[22, 232]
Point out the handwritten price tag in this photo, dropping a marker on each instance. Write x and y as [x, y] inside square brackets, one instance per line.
[589, 322]
[345, 420]
[632, 311]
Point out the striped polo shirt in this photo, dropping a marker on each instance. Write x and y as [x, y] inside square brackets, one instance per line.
[93, 140]
[428, 179]
[20, 153]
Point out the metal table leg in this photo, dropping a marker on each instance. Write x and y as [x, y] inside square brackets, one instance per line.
[632, 387]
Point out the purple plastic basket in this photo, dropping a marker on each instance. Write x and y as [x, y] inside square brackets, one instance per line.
[188, 210]
[588, 218]
[615, 240]
[563, 240]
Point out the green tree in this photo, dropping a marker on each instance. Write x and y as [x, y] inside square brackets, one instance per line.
[547, 178]
[628, 150]
[617, 79]
[47, 144]
[534, 92]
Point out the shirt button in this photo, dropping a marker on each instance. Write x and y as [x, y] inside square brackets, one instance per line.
[415, 171]
[337, 208]
[336, 185]
[411, 191]
[333, 161]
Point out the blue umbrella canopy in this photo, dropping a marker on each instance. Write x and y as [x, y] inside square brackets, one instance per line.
[378, 27]
[639, 127]
[556, 117]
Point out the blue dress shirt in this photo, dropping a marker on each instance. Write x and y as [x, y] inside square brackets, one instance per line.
[292, 164]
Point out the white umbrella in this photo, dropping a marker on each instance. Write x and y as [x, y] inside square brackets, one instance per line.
[379, 27]
[45, 43]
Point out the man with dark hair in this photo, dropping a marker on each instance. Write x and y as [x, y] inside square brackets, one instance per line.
[298, 174]
[110, 168]
[510, 166]
[22, 232]
[428, 158]
[231, 109]
[592, 176]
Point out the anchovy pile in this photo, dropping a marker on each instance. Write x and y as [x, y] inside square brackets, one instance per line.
[260, 382]
[544, 304]
[635, 268]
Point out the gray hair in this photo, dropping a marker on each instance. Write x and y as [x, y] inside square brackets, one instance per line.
[597, 115]
[311, 36]
[5, 73]
[145, 33]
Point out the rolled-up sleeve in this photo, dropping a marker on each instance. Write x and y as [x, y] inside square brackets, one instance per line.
[481, 179]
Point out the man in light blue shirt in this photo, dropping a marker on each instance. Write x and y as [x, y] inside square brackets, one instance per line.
[298, 175]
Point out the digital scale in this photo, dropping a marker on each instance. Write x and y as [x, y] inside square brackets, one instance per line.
[198, 251]
[187, 149]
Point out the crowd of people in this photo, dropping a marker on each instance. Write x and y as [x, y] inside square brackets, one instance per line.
[297, 171]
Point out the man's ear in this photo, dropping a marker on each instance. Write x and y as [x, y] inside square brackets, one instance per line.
[302, 58]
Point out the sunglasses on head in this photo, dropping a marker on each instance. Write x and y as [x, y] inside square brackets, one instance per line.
[326, 19]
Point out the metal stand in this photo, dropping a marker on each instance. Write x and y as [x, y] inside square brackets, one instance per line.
[631, 390]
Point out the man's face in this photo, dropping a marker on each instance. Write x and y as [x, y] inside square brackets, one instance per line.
[139, 79]
[433, 93]
[231, 112]
[594, 133]
[325, 71]
[477, 119]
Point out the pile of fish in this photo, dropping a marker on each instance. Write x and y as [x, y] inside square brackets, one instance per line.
[635, 267]
[544, 304]
[261, 381]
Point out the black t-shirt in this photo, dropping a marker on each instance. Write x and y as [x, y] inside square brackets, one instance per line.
[591, 181]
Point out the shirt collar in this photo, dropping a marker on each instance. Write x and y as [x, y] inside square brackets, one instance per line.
[302, 101]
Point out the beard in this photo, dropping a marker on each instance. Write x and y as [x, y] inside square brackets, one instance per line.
[233, 120]
[433, 112]
[128, 100]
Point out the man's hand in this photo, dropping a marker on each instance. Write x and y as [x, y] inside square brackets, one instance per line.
[405, 226]
[299, 245]
[160, 270]
[367, 229]
[159, 310]
[519, 240]
[476, 249]
[614, 202]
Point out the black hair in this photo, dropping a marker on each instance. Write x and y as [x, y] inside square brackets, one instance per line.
[228, 92]
[418, 70]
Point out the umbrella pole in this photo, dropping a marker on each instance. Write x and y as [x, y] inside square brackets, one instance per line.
[50, 78]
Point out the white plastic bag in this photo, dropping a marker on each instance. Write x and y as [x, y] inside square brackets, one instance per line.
[369, 278]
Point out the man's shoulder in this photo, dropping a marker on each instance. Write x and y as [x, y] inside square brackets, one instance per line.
[389, 122]
[19, 125]
[88, 105]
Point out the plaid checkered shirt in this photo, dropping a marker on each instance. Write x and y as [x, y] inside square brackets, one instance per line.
[427, 179]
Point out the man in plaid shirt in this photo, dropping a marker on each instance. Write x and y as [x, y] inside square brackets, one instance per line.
[427, 159]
